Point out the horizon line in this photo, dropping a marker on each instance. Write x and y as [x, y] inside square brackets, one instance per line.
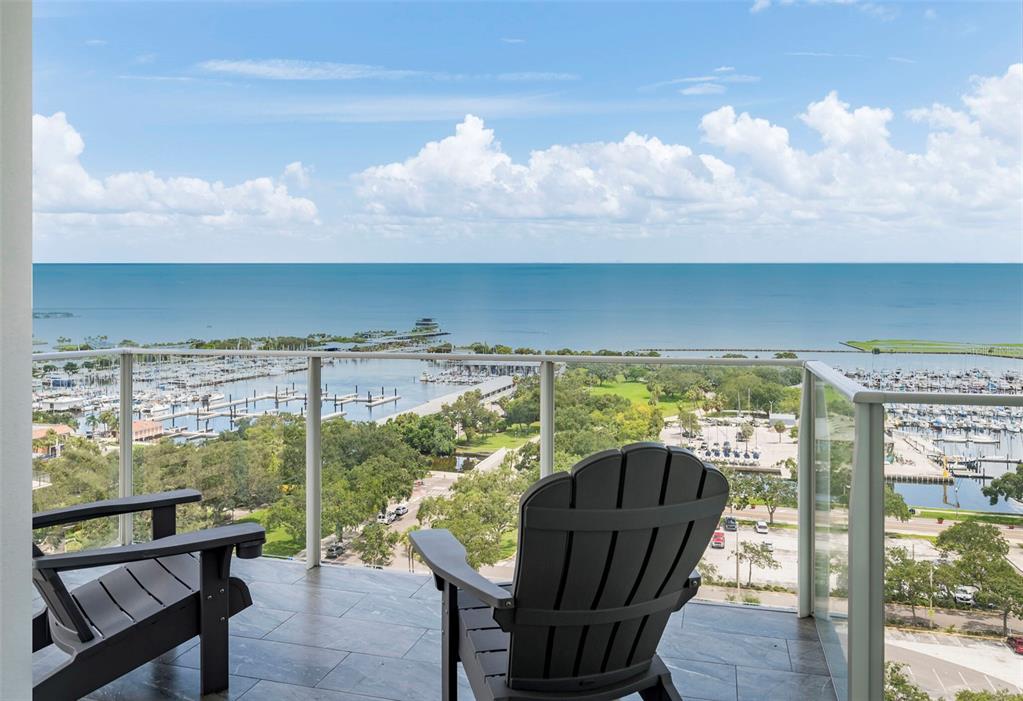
[610, 262]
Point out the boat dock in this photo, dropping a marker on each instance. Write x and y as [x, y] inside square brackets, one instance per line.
[919, 479]
[216, 408]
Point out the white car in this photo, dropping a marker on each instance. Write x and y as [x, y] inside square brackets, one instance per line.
[761, 527]
[964, 594]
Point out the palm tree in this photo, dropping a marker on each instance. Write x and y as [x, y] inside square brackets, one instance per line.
[109, 419]
[92, 422]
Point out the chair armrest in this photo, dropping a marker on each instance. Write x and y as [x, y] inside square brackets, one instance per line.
[113, 507]
[443, 554]
[247, 537]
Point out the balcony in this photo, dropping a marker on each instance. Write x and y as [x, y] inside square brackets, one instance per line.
[339, 633]
[828, 639]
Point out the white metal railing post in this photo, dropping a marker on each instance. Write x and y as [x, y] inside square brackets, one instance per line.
[866, 556]
[807, 502]
[125, 434]
[313, 465]
[546, 418]
[15, 349]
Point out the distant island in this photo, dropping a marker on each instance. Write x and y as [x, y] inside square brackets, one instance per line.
[896, 345]
[52, 315]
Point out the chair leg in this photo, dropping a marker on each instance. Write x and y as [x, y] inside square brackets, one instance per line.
[41, 631]
[214, 613]
[663, 690]
[449, 644]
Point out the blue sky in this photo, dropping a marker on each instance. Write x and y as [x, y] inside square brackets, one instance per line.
[232, 93]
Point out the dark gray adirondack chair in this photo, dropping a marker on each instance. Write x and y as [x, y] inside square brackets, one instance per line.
[162, 596]
[606, 554]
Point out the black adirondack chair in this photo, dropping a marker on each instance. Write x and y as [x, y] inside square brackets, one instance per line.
[162, 596]
[606, 554]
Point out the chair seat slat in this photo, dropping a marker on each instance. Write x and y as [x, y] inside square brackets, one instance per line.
[184, 567]
[159, 582]
[129, 596]
[100, 609]
[488, 639]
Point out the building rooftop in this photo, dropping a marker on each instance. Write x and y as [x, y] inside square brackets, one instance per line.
[340, 633]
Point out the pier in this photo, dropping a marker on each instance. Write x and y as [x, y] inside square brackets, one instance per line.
[214, 408]
[919, 479]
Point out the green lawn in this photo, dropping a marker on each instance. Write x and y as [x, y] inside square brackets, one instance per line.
[897, 345]
[278, 542]
[512, 438]
[509, 543]
[637, 393]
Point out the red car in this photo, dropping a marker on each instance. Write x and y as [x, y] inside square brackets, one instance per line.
[1016, 643]
[717, 540]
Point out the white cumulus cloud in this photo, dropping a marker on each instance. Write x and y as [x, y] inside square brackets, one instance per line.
[66, 195]
[747, 175]
[469, 175]
[298, 174]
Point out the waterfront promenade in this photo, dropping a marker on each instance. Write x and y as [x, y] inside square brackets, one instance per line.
[492, 390]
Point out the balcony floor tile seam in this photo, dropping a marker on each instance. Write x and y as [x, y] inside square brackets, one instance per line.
[264, 636]
[315, 585]
[403, 655]
[317, 684]
[277, 642]
[320, 591]
[346, 696]
[340, 694]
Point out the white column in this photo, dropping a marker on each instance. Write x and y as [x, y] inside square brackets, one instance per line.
[125, 437]
[807, 498]
[866, 556]
[15, 349]
[313, 465]
[546, 418]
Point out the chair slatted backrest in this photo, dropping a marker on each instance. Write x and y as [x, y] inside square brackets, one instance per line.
[604, 555]
[59, 601]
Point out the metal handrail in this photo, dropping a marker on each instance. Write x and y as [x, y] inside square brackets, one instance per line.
[398, 355]
[851, 389]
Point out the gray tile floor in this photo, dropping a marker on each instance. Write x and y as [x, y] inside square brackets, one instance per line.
[356, 634]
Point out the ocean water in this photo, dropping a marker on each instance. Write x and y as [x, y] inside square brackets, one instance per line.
[539, 305]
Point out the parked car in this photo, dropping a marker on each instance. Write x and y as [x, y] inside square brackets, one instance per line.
[965, 594]
[1015, 643]
[717, 541]
[730, 524]
[769, 545]
[761, 527]
[400, 510]
[382, 518]
[335, 550]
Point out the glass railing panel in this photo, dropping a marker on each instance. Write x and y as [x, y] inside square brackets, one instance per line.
[397, 435]
[232, 427]
[75, 448]
[832, 448]
[954, 545]
[741, 419]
